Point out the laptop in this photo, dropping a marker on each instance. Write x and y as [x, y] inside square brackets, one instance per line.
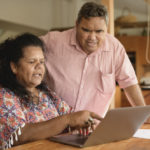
[118, 124]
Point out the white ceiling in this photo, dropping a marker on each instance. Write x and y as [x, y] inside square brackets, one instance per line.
[139, 6]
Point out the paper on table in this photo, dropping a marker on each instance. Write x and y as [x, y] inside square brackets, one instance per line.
[142, 133]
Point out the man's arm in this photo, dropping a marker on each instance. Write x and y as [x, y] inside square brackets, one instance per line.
[134, 95]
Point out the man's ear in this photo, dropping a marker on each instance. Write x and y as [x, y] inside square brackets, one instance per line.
[13, 67]
[76, 23]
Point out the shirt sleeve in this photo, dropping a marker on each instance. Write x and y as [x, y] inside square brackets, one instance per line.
[50, 41]
[12, 118]
[61, 106]
[125, 74]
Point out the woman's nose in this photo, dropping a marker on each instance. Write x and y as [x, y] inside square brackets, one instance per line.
[39, 64]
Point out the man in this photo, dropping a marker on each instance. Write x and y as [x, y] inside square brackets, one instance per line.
[85, 62]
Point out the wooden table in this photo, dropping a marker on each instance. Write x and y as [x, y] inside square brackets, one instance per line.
[129, 144]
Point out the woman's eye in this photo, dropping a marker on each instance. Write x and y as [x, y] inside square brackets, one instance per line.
[31, 62]
[42, 62]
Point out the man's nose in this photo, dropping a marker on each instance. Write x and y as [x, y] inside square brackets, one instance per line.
[92, 36]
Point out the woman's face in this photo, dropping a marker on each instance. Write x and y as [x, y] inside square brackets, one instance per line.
[30, 69]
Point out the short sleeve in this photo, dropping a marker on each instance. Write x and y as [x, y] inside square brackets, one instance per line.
[61, 106]
[125, 74]
[11, 118]
[50, 41]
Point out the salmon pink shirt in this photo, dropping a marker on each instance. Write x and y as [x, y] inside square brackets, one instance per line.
[86, 82]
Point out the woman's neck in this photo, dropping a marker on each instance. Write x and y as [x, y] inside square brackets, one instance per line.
[34, 95]
[33, 91]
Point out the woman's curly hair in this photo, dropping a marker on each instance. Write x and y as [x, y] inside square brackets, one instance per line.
[11, 50]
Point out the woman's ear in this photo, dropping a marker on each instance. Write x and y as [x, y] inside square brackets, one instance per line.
[13, 67]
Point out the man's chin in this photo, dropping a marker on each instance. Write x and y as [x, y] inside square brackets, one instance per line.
[92, 50]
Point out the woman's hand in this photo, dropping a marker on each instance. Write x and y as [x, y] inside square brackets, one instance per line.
[83, 119]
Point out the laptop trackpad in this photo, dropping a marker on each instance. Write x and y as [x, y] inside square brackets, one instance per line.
[72, 139]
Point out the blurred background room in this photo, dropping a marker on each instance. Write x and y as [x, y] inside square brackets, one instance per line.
[129, 22]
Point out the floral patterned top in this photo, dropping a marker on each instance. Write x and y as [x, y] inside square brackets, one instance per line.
[14, 114]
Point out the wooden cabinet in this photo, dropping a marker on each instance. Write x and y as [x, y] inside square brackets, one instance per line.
[146, 94]
[116, 99]
[136, 44]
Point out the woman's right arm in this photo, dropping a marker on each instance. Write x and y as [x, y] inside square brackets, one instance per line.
[43, 130]
[12, 119]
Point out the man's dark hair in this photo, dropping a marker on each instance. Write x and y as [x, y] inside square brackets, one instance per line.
[91, 9]
[11, 50]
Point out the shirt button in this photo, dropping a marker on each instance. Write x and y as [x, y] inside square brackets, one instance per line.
[81, 86]
[84, 71]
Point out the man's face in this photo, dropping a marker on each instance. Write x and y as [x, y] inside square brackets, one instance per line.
[91, 33]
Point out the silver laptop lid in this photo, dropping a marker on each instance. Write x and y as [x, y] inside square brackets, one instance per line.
[119, 124]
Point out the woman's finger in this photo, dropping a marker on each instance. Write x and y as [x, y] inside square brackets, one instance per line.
[95, 116]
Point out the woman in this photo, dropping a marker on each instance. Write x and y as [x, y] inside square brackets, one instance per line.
[27, 107]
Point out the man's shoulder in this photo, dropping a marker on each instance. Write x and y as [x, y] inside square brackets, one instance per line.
[111, 38]
[55, 39]
[113, 41]
[60, 34]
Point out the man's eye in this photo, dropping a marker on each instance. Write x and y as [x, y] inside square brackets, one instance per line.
[99, 31]
[85, 30]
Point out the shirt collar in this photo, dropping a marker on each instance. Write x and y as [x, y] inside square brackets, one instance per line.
[73, 40]
[106, 44]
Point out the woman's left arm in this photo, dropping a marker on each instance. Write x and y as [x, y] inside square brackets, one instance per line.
[61, 106]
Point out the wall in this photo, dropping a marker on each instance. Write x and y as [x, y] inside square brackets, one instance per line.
[27, 12]
[17, 16]
[131, 31]
[42, 15]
